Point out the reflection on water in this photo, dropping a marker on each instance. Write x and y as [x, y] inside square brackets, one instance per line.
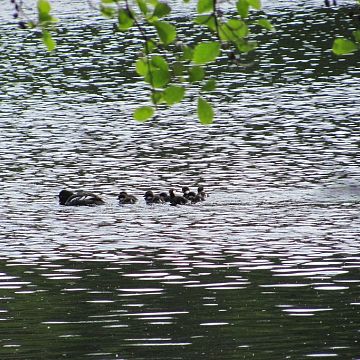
[266, 268]
[147, 302]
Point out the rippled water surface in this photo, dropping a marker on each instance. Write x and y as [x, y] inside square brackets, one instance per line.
[266, 268]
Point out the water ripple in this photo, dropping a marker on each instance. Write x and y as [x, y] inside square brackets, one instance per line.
[277, 238]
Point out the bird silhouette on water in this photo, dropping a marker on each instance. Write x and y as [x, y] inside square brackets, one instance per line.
[79, 198]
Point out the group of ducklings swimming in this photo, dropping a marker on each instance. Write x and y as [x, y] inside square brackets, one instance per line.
[85, 198]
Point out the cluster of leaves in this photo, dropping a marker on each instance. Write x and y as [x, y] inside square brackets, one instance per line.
[44, 22]
[168, 64]
[343, 46]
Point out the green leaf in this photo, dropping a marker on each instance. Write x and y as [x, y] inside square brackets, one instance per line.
[242, 7]
[166, 32]
[142, 6]
[159, 78]
[161, 9]
[143, 113]
[266, 24]
[207, 20]
[344, 46]
[159, 75]
[196, 73]
[356, 35]
[238, 28]
[256, 4]
[48, 40]
[108, 1]
[31, 24]
[107, 11]
[210, 85]
[178, 68]
[150, 46]
[246, 46]
[174, 94]
[43, 6]
[206, 52]
[159, 62]
[205, 112]
[226, 33]
[188, 53]
[205, 6]
[157, 97]
[125, 19]
[142, 67]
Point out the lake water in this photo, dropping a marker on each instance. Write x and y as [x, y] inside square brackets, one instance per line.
[266, 268]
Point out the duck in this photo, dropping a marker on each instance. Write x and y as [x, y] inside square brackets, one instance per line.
[176, 199]
[125, 198]
[79, 198]
[151, 198]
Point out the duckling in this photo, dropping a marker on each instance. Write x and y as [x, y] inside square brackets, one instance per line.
[165, 197]
[79, 198]
[193, 197]
[125, 198]
[176, 199]
[202, 193]
[151, 198]
[186, 191]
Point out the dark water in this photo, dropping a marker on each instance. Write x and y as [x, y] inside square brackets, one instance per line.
[266, 268]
